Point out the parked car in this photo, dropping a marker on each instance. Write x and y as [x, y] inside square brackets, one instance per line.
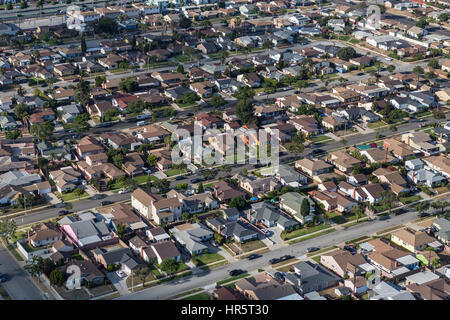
[350, 249]
[384, 217]
[179, 178]
[312, 249]
[123, 191]
[105, 203]
[279, 277]
[63, 212]
[236, 272]
[3, 278]
[253, 256]
[197, 180]
[274, 260]
[98, 197]
[400, 211]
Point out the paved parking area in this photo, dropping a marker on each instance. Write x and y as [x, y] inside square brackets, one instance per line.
[119, 283]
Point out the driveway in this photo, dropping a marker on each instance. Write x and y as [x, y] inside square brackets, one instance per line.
[119, 283]
[275, 237]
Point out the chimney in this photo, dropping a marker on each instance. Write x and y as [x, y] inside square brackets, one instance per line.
[412, 176]
[408, 141]
[219, 229]
[354, 193]
[249, 216]
[29, 238]
[440, 138]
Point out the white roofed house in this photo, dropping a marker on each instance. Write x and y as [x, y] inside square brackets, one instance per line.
[192, 237]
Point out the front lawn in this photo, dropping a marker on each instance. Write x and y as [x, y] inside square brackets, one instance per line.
[303, 231]
[71, 196]
[336, 218]
[232, 278]
[252, 245]
[174, 172]
[376, 124]
[207, 258]
[320, 139]
[410, 199]
[199, 296]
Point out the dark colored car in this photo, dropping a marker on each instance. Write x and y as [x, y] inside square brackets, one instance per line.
[63, 212]
[350, 249]
[312, 249]
[3, 278]
[105, 203]
[287, 257]
[197, 180]
[384, 218]
[400, 211]
[317, 151]
[98, 196]
[279, 277]
[253, 256]
[274, 260]
[179, 178]
[236, 272]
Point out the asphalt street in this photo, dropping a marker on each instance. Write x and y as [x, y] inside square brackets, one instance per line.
[19, 285]
[208, 278]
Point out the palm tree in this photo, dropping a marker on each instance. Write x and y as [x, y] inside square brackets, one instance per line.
[358, 211]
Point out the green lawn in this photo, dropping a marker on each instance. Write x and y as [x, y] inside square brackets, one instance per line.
[70, 196]
[320, 139]
[406, 200]
[376, 124]
[199, 296]
[336, 218]
[174, 172]
[208, 258]
[303, 231]
[252, 245]
[312, 236]
[144, 179]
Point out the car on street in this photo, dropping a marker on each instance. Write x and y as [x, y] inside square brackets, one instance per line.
[123, 191]
[98, 196]
[236, 272]
[312, 249]
[3, 278]
[280, 259]
[179, 178]
[63, 212]
[350, 249]
[261, 93]
[317, 151]
[120, 273]
[279, 277]
[197, 180]
[384, 218]
[400, 211]
[105, 203]
[253, 256]
[274, 260]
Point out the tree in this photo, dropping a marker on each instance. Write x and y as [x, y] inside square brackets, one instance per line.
[185, 23]
[238, 203]
[217, 101]
[8, 228]
[13, 134]
[422, 207]
[219, 238]
[434, 63]
[82, 92]
[244, 111]
[56, 277]
[346, 53]
[118, 160]
[422, 23]
[443, 17]
[80, 123]
[305, 209]
[418, 70]
[388, 197]
[180, 68]
[20, 91]
[106, 25]
[121, 230]
[200, 188]
[185, 215]
[358, 211]
[440, 204]
[142, 274]
[223, 55]
[21, 110]
[128, 85]
[43, 130]
[169, 266]
[99, 80]
[35, 266]
[83, 45]
[152, 160]
[390, 68]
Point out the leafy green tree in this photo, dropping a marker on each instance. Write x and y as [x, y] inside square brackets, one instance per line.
[346, 53]
[180, 68]
[107, 25]
[169, 266]
[388, 198]
[185, 215]
[118, 160]
[35, 266]
[217, 101]
[390, 68]
[142, 274]
[238, 203]
[304, 209]
[56, 277]
[443, 17]
[8, 228]
[128, 85]
[422, 207]
[121, 230]
[43, 131]
[82, 92]
[80, 123]
[83, 44]
[245, 111]
[358, 211]
[422, 23]
[152, 160]
[434, 63]
[200, 188]
[13, 134]
[440, 204]
[99, 80]
[185, 23]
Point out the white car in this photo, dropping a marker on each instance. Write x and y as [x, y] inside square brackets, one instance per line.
[123, 191]
[120, 274]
